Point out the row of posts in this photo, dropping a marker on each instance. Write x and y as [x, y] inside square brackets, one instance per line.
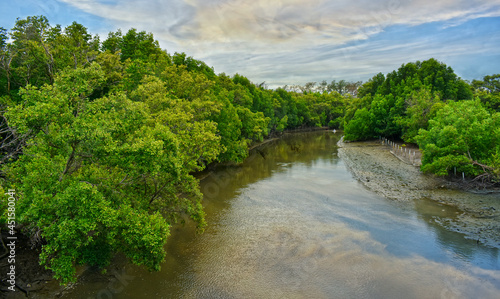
[408, 153]
[405, 152]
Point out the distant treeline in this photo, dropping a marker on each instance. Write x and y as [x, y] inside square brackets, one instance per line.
[99, 139]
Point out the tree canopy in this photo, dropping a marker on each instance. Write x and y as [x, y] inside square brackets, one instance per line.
[454, 123]
[393, 100]
[100, 140]
[465, 137]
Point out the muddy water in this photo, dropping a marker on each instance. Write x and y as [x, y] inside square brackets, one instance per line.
[291, 222]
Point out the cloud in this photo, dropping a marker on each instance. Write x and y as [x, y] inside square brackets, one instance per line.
[281, 21]
[253, 34]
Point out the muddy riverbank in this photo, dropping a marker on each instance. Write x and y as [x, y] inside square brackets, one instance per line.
[373, 164]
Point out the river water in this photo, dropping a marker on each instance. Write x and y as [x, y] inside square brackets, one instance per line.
[291, 222]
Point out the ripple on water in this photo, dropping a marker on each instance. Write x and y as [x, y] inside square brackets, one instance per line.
[299, 226]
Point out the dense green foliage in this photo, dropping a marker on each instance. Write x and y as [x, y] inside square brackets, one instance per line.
[488, 90]
[393, 100]
[100, 140]
[462, 136]
[426, 103]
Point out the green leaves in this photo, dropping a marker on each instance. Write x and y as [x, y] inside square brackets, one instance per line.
[143, 236]
[361, 126]
[254, 125]
[462, 135]
[400, 103]
[95, 171]
[422, 105]
[488, 90]
[133, 45]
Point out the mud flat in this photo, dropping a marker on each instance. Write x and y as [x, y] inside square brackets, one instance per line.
[373, 164]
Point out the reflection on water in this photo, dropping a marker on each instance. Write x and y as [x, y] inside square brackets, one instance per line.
[291, 222]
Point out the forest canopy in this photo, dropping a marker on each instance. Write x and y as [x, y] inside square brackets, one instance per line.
[100, 139]
[455, 123]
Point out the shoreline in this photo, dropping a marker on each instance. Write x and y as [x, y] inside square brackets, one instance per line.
[201, 175]
[384, 173]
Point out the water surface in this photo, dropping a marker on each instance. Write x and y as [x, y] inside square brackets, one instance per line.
[291, 222]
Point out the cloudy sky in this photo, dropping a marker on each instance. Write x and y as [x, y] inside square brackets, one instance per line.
[296, 41]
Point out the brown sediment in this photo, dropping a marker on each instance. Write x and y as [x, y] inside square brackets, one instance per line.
[31, 279]
[380, 170]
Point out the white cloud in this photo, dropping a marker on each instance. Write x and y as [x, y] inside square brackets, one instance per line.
[278, 32]
[267, 21]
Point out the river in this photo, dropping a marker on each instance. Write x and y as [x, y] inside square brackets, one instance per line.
[292, 222]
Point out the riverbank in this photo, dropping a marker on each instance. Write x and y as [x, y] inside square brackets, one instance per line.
[201, 175]
[373, 164]
[31, 279]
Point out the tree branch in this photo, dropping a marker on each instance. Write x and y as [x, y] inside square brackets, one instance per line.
[155, 195]
[68, 163]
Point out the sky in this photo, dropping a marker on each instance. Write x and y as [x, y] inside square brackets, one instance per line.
[288, 42]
